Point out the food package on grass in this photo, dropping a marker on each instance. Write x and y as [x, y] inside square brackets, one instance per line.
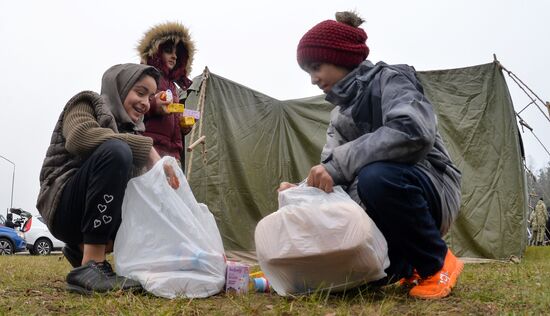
[236, 278]
[319, 241]
[240, 281]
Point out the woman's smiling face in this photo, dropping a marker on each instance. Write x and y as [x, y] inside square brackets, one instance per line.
[137, 103]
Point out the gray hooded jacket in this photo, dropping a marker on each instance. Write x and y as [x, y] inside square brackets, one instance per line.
[408, 132]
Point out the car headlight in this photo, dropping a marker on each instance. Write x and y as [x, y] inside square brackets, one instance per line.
[20, 234]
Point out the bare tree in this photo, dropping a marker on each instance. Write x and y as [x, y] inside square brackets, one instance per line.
[542, 185]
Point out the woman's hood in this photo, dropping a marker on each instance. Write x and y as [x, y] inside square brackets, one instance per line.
[148, 46]
[115, 86]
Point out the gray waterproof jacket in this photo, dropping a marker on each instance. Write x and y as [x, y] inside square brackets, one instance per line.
[407, 132]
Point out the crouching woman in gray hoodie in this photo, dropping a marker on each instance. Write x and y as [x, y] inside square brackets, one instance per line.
[96, 147]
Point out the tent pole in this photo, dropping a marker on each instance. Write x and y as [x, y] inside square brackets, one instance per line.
[532, 95]
[202, 96]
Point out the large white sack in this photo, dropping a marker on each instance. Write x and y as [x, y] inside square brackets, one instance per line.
[168, 241]
[319, 240]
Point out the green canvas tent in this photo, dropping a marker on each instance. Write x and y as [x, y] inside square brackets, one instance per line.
[253, 142]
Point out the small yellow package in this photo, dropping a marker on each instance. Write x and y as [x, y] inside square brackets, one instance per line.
[187, 121]
[175, 108]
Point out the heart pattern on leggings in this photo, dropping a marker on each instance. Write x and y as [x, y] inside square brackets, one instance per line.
[107, 219]
[102, 208]
[108, 198]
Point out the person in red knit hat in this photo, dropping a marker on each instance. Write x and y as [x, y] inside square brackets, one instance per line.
[384, 148]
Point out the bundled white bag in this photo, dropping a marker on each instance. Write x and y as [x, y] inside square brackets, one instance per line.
[167, 240]
[319, 241]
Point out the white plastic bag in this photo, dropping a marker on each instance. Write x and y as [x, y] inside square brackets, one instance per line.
[319, 240]
[167, 240]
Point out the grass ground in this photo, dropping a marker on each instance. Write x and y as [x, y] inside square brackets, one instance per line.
[32, 285]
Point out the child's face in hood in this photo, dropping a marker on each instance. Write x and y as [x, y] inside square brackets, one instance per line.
[169, 57]
[137, 103]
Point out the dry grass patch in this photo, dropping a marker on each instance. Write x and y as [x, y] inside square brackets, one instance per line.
[32, 285]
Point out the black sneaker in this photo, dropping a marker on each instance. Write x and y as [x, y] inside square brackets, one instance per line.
[98, 277]
[73, 255]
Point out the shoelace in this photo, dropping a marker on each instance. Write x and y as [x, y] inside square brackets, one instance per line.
[105, 268]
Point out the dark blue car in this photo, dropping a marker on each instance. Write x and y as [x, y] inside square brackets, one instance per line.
[11, 241]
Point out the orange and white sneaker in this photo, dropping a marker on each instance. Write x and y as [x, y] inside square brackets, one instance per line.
[440, 284]
[413, 280]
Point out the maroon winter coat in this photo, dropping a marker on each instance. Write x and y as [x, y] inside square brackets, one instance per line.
[164, 129]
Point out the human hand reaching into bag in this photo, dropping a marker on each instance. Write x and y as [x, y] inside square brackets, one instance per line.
[171, 176]
[152, 158]
[285, 185]
[320, 178]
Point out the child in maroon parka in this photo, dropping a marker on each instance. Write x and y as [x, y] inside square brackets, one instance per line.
[169, 48]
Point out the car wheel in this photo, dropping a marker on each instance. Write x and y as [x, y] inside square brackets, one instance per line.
[42, 247]
[6, 247]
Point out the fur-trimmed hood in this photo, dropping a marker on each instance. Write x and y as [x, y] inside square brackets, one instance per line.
[148, 46]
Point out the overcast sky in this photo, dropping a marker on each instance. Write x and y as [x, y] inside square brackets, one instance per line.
[51, 50]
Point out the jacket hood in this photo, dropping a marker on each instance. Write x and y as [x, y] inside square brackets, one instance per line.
[148, 46]
[115, 86]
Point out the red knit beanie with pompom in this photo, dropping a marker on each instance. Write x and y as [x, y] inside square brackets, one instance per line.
[341, 42]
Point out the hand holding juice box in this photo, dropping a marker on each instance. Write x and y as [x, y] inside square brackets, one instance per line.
[171, 107]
